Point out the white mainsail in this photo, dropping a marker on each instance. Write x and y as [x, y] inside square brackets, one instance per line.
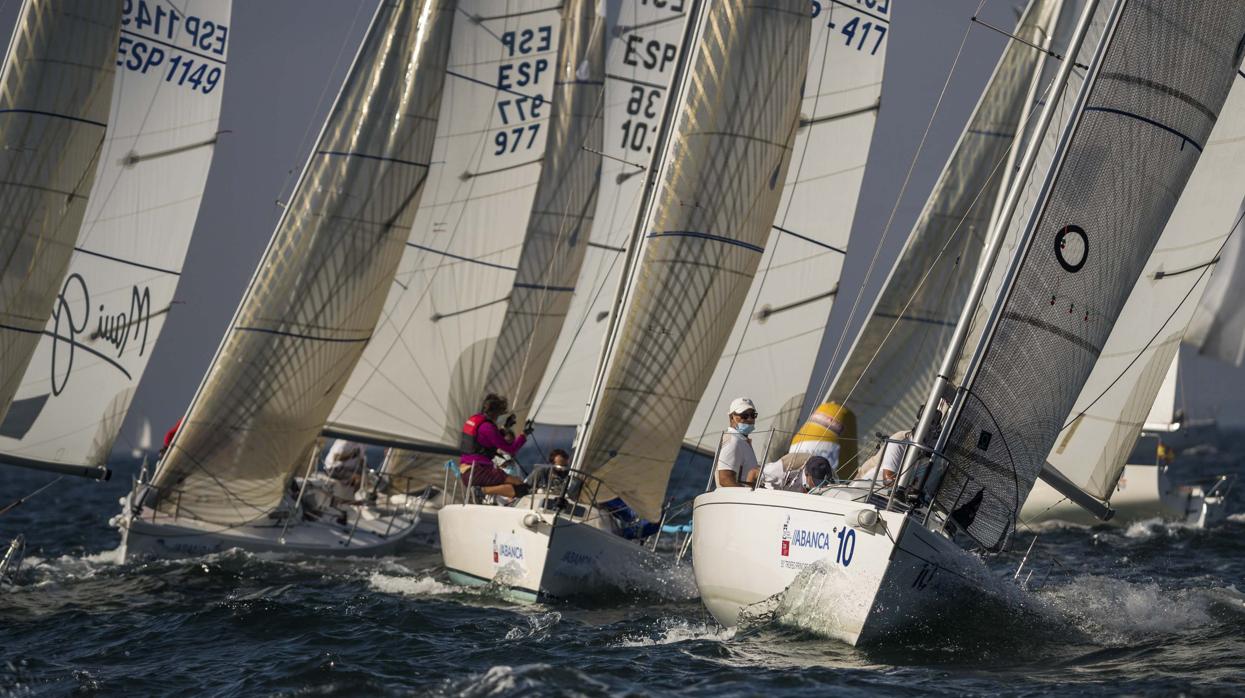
[644, 49]
[697, 243]
[1133, 383]
[317, 295]
[1218, 325]
[424, 369]
[1164, 415]
[1141, 122]
[773, 346]
[125, 266]
[54, 98]
[889, 369]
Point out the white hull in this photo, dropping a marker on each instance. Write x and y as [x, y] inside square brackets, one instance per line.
[749, 546]
[533, 555]
[1144, 492]
[161, 536]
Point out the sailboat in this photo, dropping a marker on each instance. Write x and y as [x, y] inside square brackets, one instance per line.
[125, 264]
[894, 556]
[494, 249]
[227, 479]
[710, 197]
[57, 81]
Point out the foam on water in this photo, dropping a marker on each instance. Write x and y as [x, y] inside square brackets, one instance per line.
[410, 586]
[1114, 611]
[668, 631]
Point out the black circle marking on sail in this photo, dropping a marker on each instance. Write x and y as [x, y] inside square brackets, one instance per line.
[1061, 242]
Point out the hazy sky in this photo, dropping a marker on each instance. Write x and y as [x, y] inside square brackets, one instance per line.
[287, 59]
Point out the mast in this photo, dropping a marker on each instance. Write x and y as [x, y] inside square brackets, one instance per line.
[942, 381]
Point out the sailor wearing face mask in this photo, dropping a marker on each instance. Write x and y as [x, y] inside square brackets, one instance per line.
[735, 454]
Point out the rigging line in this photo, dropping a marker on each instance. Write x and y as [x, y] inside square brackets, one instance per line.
[609, 248]
[22, 500]
[890, 219]
[824, 387]
[805, 238]
[614, 157]
[1030, 44]
[821, 76]
[311, 123]
[1202, 274]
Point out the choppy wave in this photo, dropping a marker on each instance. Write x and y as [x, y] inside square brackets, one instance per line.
[669, 631]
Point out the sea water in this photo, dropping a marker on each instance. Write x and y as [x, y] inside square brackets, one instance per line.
[1154, 608]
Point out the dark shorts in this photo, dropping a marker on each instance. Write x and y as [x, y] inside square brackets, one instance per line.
[484, 475]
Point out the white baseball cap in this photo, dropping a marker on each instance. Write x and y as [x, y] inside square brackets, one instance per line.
[742, 404]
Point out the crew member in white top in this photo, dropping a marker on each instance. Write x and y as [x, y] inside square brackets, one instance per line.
[345, 462]
[735, 456]
[889, 459]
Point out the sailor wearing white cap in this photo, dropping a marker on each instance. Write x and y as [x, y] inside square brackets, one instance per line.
[735, 455]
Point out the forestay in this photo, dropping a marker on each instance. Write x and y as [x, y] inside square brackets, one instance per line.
[54, 97]
[699, 241]
[644, 48]
[773, 346]
[424, 370]
[890, 367]
[125, 266]
[1147, 109]
[1133, 384]
[1218, 326]
[317, 294]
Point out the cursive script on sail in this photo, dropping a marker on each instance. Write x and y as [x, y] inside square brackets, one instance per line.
[72, 316]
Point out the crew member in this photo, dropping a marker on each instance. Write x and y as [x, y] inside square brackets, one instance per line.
[481, 440]
[735, 455]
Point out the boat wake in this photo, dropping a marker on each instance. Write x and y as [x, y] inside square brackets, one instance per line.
[411, 586]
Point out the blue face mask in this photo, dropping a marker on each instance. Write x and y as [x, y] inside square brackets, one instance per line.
[745, 428]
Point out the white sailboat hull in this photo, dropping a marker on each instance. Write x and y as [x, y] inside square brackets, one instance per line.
[161, 536]
[1144, 492]
[534, 555]
[749, 546]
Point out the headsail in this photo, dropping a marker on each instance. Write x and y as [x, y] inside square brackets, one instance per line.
[890, 367]
[125, 266]
[698, 242]
[770, 354]
[644, 49]
[1218, 326]
[54, 97]
[316, 297]
[424, 370]
[1133, 383]
[1142, 120]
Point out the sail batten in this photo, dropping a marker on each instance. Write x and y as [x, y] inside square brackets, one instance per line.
[324, 276]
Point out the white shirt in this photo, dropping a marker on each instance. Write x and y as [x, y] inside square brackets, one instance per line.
[735, 454]
[338, 463]
[775, 476]
[826, 449]
[892, 457]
